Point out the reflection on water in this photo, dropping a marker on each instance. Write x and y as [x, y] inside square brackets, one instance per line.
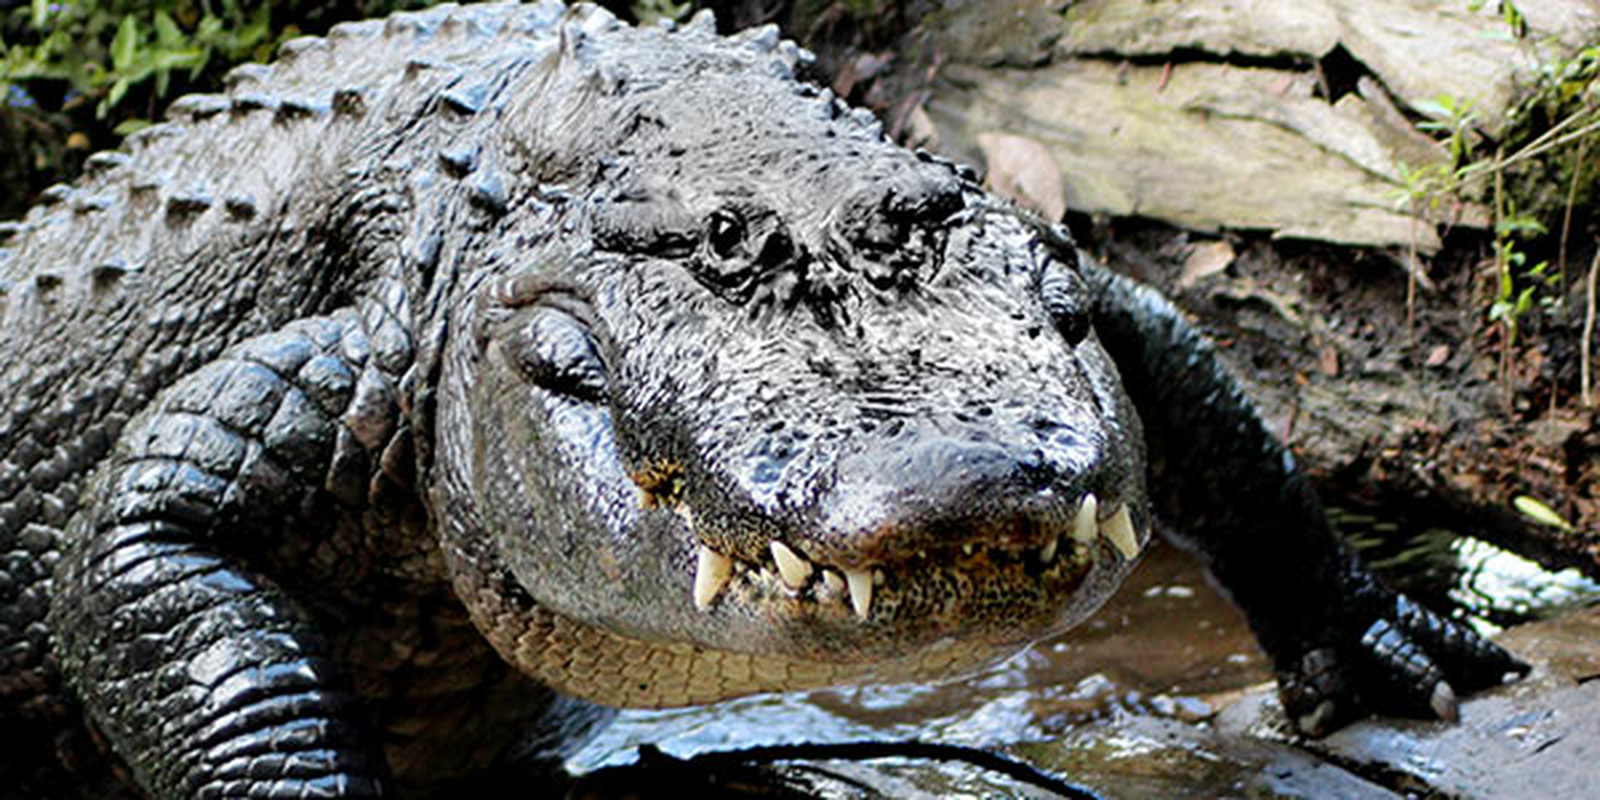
[1167, 645]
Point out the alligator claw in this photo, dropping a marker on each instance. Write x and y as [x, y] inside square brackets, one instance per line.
[1444, 703]
[1409, 661]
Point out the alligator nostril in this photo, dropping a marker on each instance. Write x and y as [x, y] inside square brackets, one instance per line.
[1036, 472]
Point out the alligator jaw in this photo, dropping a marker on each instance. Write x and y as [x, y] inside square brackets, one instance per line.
[1053, 548]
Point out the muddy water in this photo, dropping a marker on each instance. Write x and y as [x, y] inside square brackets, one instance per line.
[1167, 646]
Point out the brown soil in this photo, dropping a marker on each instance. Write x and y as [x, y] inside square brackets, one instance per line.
[1422, 416]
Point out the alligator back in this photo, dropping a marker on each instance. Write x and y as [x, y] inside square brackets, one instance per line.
[274, 201]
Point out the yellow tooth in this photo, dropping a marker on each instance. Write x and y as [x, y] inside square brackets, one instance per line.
[1048, 554]
[710, 575]
[860, 591]
[1084, 527]
[1119, 531]
[834, 583]
[794, 569]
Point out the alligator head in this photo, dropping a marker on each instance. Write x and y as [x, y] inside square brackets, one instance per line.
[764, 389]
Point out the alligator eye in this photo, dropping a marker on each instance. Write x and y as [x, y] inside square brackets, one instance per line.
[1066, 299]
[554, 350]
[725, 234]
[727, 262]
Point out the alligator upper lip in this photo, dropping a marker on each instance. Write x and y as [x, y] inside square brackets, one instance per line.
[1090, 522]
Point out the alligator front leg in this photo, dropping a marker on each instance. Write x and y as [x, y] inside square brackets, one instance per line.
[196, 664]
[1342, 643]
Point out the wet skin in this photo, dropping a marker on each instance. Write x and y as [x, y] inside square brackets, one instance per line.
[527, 351]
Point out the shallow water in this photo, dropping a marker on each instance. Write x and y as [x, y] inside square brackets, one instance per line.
[1164, 645]
[1167, 645]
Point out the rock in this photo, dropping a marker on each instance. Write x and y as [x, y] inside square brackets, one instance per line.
[1294, 118]
[1203, 146]
[1534, 738]
[1418, 49]
[1146, 757]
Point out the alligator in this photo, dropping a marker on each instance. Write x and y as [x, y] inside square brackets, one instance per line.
[458, 377]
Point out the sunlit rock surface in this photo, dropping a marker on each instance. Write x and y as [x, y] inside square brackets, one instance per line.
[1296, 118]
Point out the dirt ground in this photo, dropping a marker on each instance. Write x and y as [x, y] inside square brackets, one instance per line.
[1412, 410]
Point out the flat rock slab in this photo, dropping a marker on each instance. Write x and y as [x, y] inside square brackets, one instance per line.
[1507, 746]
[1223, 113]
[1536, 738]
[1128, 757]
[1419, 49]
[1203, 146]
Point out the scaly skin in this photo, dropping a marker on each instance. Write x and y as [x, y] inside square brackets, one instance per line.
[478, 353]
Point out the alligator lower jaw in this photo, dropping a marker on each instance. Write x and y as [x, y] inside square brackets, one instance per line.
[611, 669]
[946, 591]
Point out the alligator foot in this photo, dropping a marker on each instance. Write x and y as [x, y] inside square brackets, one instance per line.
[1404, 659]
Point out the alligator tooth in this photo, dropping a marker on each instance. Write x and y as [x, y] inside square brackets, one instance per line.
[968, 548]
[710, 575]
[860, 590]
[1048, 554]
[794, 569]
[1119, 531]
[1084, 527]
[832, 580]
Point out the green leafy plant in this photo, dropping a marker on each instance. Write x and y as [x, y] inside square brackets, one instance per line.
[77, 74]
[648, 12]
[1454, 118]
[1516, 24]
[1548, 133]
[102, 50]
[1518, 283]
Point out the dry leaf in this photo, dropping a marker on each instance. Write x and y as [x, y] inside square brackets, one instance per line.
[920, 130]
[1205, 260]
[1023, 170]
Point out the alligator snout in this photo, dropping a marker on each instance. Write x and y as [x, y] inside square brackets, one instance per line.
[920, 485]
[879, 215]
[933, 528]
